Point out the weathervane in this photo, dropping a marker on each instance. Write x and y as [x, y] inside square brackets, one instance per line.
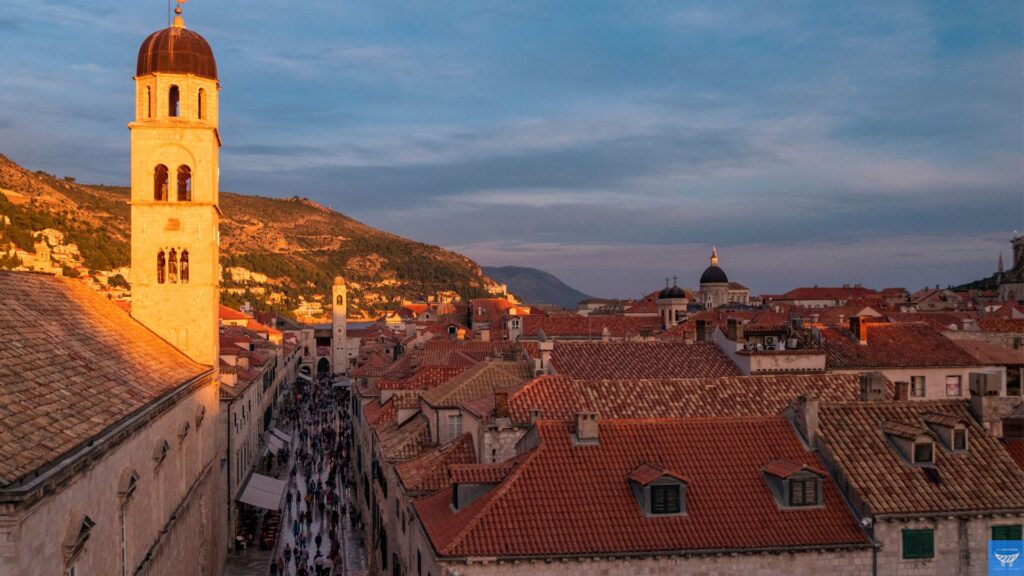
[177, 9]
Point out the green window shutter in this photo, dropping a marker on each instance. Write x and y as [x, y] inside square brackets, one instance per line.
[919, 543]
[1008, 532]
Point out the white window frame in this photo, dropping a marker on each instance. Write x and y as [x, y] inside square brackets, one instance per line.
[959, 385]
[918, 392]
[454, 425]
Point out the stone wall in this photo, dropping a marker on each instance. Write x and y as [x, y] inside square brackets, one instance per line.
[961, 546]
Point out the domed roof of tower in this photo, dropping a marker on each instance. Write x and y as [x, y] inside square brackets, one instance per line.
[713, 274]
[339, 281]
[176, 50]
[673, 291]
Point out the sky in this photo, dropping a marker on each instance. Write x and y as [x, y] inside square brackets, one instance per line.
[609, 143]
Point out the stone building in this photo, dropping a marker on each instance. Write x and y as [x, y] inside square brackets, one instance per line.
[716, 289]
[110, 450]
[1011, 282]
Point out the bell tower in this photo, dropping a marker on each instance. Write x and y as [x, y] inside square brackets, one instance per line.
[174, 201]
[339, 337]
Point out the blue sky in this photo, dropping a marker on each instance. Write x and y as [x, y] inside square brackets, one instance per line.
[610, 143]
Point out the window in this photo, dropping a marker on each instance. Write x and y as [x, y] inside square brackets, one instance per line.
[665, 500]
[160, 452]
[454, 425]
[959, 440]
[172, 266]
[340, 300]
[160, 183]
[184, 184]
[161, 267]
[1008, 532]
[419, 563]
[918, 543]
[173, 102]
[803, 492]
[183, 267]
[149, 102]
[202, 105]
[917, 386]
[923, 453]
[954, 386]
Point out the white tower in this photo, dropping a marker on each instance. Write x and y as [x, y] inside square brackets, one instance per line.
[339, 337]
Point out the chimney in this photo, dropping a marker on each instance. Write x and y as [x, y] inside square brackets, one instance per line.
[859, 329]
[485, 335]
[501, 411]
[902, 390]
[734, 329]
[586, 427]
[460, 334]
[535, 415]
[702, 330]
[546, 348]
[872, 386]
[806, 415]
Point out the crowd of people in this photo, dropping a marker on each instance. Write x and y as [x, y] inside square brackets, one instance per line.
[318, 492]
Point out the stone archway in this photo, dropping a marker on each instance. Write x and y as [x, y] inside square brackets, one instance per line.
[323, 366]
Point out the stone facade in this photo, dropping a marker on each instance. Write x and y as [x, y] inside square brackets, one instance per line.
[961, 545]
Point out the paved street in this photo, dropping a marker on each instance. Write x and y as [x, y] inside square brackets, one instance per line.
[316, 502]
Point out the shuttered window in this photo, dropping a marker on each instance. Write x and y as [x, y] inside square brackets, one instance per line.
[803, 492]
[918, 543]
[1008, 532]
[665, 500]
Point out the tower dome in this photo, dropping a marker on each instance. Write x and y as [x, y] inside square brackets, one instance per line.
[713, 274]
[176, 50]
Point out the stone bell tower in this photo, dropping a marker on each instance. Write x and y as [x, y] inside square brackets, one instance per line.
[175, 181]
[339, 336]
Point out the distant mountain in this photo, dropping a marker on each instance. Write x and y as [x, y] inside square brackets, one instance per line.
[990, 283]
[294, 246]
[534, 286]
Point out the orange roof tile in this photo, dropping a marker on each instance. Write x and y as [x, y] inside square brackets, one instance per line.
[635, 360]
[891, 346]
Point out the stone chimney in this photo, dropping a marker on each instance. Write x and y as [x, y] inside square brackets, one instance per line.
[806, 416]
[485, 335]
[902, 390]
[501, 411]
[702, 330]
[860, 331]
[586, 428]
[872, 386]
[546, 348]
[460, 334]
[734, 329]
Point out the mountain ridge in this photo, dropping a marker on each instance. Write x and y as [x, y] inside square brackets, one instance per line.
[535, 286]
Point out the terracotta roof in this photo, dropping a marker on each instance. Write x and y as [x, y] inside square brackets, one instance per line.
[72, 363]
[560, 397]
[783, 468]
[576, 326]
[646, 473]
[479, 381]
[424, 378]
[827, 293]
[228, 313]
[1009, 325]
[1015, 447]
[482, 473]
[983, 478]
[376, 413]
[891, 346]
[429, 471]
[399, 443]
[619, 360]
[564, 499]
[905, 430]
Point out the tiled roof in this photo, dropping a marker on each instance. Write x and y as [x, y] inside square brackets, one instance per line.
[479, 381]
[560, 397]
[576, 326]
[228, 313]
[939, 320]
[982, 478]
[1015, 447]
[72, 363]
[827, 293]
[618, 360]
[905, 430]
[424, 378]
[376, 413]
[399, 443]
[1008, 325]
[564, 499]
[783, 468]
[646, 473]
[891, 346]
[482, 473]
[429, 471]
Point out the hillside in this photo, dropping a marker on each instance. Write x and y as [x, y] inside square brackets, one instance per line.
[284, 252]
[536, 286]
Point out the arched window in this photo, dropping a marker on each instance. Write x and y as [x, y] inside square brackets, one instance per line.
[183, 267]
[172, 267]
[174, 102]
[184, 184]
[160, 183]
[161, 267]
[202, 104]
[149, 102]
[340, 300]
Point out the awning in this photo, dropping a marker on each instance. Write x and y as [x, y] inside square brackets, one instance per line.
[274, 443]
[281, 435]
[343, 383]
[304, 377]
[263, 492]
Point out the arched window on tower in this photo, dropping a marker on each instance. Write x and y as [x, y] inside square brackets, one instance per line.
[149, 102]
[340, 300]
[202, 103]
[184, 184]
[160, 183]
[172, 267]
[174, 102]
[183, 266]
[161, 267]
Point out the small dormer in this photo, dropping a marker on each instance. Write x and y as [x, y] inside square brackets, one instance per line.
[951, 430]
[658, 492]
[914, 443]
[795, 485]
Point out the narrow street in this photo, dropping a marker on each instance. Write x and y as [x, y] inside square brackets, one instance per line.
[316, 502]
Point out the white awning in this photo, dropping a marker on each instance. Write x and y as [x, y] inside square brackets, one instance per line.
[305, 377]
[284, 437]
[274, 443]
[343, 383]
[263, 492]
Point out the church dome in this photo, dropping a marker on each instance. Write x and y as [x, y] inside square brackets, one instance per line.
[713, 274]
[672, 292]
[176, 50]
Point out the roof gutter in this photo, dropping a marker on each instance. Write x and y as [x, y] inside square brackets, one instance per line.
[958, 514]
[79, 457]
